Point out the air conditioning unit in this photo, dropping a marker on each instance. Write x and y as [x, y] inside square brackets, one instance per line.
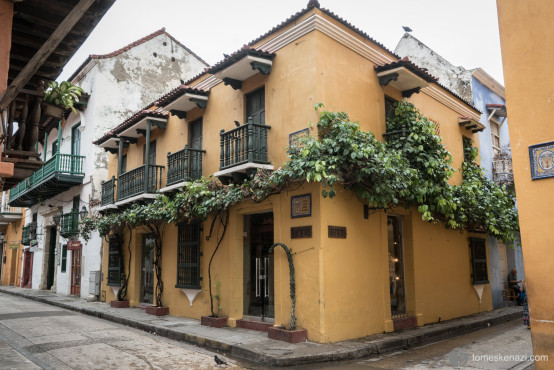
[94, 283]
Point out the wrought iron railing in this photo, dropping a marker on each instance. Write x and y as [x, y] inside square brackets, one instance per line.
[502, 170]
[184, 165]
[69, 223]
[28, 233]
[244, 144]
[59, 163]
[131, 183]
[108, 191]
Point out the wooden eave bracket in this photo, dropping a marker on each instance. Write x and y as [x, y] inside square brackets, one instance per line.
[181, 114]
[384, 80]
[470, 124]
[235, 84]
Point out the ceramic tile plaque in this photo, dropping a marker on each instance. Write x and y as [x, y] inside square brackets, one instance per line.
[13, 245]
[542, 160]
[294, 137]
[301, 206]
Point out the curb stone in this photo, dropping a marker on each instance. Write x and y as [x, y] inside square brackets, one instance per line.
[349, 350]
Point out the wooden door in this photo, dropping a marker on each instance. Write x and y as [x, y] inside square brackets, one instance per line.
[76, 271]
[255, 106]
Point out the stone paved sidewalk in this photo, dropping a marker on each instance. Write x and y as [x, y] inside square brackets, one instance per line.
[255, 346]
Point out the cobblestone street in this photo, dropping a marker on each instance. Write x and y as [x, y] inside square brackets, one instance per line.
[35, 335]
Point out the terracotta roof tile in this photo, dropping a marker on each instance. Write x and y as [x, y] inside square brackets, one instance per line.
[177, 92]
[131, 121]
[406, 63]
[236, 56]
[140, 41]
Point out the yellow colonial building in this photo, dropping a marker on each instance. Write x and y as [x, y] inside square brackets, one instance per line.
[357, 273]
[526, 35]
[12, 233]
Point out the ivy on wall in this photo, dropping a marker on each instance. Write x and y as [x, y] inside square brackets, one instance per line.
[411, 169]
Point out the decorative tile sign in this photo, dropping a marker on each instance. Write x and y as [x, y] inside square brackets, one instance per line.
[295, 136]
[13, 245]
[301, 206]
[542, 160]
[73, 244]
[337, 232]
[300, 232]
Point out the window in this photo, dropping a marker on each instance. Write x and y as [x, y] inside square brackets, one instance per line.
[54, 147]
[468, 145]
[495, 136]
[64, 257]
[389, 106]
[255, 106]
[188, 256]
[76, 140]
[114, 261]
[478, 248]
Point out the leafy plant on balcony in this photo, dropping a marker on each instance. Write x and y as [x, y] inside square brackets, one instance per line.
[63, 95]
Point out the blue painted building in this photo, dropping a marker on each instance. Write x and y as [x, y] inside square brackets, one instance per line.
[487, 95]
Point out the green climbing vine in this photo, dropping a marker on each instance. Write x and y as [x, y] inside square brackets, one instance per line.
[411, 169]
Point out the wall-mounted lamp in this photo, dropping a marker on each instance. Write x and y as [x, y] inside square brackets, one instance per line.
[83, 212]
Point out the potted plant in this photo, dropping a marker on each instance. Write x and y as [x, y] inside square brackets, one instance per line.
[292, 334]
[59, 97]
[215, 320]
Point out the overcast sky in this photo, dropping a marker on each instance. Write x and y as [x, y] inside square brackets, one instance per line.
[465, 32]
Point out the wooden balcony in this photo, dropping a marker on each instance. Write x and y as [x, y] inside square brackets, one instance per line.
[184, 165]
[503, 172]
[69, 224]
[243, 150]
[108, 192]
[59, 173]
[10, 214]
[28, 233]
[136, 184]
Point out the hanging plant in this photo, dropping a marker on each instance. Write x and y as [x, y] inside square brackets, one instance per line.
[63, 95]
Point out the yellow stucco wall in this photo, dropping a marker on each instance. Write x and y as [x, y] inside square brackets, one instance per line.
[526, 35]
[342, 284]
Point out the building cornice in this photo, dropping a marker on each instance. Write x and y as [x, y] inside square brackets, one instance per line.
[365, 49]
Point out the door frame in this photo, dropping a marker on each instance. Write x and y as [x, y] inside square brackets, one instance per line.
[269, 266]
[73, 287]
[142, 272]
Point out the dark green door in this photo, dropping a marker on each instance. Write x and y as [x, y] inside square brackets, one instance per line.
[75, 147]
[255, 106]
[51, 259]
[151, 162]
[195, 142]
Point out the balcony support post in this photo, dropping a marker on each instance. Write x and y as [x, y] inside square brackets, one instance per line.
[59, 145]
[120, 157]
[147, 157]
[45, 147]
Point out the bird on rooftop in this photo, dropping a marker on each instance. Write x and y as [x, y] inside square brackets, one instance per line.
[182, 82]
[226, 55]
[219, 361]
[407, 29]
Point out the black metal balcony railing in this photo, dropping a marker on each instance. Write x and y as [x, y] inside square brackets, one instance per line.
[243, 144]
[28, 233]
[184, 165]
[131, 183]
[108, 191]
[69, 224]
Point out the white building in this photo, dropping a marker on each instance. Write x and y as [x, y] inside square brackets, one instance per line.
[117, 84]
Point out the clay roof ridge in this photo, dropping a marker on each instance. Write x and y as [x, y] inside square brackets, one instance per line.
[132, 45]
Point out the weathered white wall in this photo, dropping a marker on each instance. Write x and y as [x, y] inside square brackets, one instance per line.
[455, 78]
[118, 87]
